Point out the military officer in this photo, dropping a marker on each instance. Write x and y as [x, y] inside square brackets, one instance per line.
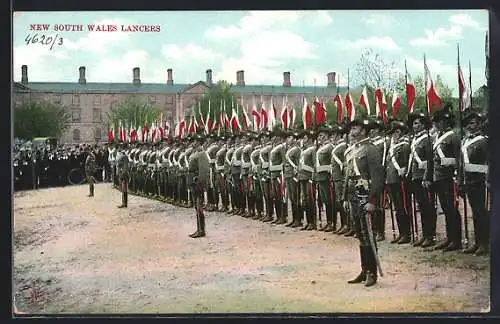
[396, 164]
[305, 176]
[473, 181]
[290, 167]
[323, 161]
[266, 183]
[440, 178]
[348, 154]
[123, 165]
[337, 163]
[198, 176]
[276, 161]
[227, 173]
[236, 174]
[90, 170]
[419, 161]
[366, 177]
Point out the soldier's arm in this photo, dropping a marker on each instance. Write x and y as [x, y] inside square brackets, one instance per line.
[376, 172]
[404, 156]
[429, 157]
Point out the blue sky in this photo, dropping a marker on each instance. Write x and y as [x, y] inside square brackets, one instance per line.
[264, 44]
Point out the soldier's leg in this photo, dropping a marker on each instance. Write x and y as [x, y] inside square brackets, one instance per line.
[326, 198]
[480, 215]
[363, 242]
[259, 199]
[304, 204]
[402, 217]
[428, 215]
[311, 208]
[268, 195]
[291, 188]
[276, 202]
[379, 217]
[447, 201]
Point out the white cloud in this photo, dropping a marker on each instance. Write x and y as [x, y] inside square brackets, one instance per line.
[257, 21]
[380, 21]
[119, 69]
[98, 41]
[439, 37]
[264, 55]
[34, 55]
[466, 20]
[383, 43]
[188, 53]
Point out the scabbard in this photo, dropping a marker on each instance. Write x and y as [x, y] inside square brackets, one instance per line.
[372, 243]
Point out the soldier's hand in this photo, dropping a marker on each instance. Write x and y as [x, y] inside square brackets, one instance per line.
[488, 184]
[426, 184]
[345, 204]
[402, 172]
[369, 207]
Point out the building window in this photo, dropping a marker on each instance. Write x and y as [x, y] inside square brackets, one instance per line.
[97, 134]
[170, 100]
[76, 135]
[97, 115]
[152, 100]
[76, 100]
[57, 99]
[76, 115]
[97, 100]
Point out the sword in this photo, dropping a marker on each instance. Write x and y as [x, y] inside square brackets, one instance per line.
[364, 200]
[391, 209]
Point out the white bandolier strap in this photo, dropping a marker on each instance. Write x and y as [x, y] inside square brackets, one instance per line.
[471, 167]
[277, 167]
[379, 141]
[252, 156]
[289, 159]
[414, 155]
[445, 161]
[210, 160]
[302, 165]
[235, 162]
[355, 163]
[392, 157]
[219, 168]
[335, 156]
[227, 157]
[246, 165]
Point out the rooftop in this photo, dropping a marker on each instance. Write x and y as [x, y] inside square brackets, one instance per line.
[161, 88]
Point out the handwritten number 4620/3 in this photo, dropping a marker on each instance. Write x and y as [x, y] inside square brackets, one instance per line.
[44, 40]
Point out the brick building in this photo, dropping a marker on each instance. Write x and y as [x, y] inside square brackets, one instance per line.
[89, 102]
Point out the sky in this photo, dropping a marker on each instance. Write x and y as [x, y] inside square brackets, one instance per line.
[264, 44]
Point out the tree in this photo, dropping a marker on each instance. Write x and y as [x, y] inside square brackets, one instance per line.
[372, 71]
[40, 119]
[218, 97]
[133, 112]
[480, 99]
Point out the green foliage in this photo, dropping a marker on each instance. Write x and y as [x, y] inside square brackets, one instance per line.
[481, 98]
[133, 112]
[217, 96]
[42, 119]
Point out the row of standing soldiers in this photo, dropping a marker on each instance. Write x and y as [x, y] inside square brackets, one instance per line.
[345, 171]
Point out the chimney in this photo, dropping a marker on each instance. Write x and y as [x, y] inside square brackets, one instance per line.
[82, 79]
[240, 78]
[332, 81]
[137, 76]
[286, 80]
[24, 74]
[209, 77]
[170, 80]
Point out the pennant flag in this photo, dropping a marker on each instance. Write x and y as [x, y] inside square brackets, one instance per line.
[337, 101]
[284, 116]
[351, 110]
[263, 116]
[396, 103]
[292, 115]
[306, 115]
[363, 101]
[246, 119]
[319, 112]
[410, 94]
[235, 121]
[256, 118]
[433, 98]
[381, 105]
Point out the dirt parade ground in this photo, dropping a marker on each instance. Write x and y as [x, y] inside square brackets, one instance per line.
[74, 254]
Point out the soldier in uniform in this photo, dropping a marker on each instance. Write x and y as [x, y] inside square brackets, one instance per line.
[198, 173]
[305, 177]
[337, 163]
[246, 165]
[290, 167]
[378, 138]
[90, 170]
[221, 184]
[276, 160]
[348, 154]
[211, 152]
[365, 175]
[419, 161]
[266, 183]
[474, 178]
[323, 176]
[395, 170]
[236, 175]
[440, 178]
[254, 178]
[123, 165]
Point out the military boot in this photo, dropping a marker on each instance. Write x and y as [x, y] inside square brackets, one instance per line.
[362, 275]
[420, 241]
[124, 200]
[329, 221]
[91, 189]
[302, 211]
[371, 267]
[312, 219]
[294, 216]
[201, 230]
[441, 245]
[278, 205]
[284, 214]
